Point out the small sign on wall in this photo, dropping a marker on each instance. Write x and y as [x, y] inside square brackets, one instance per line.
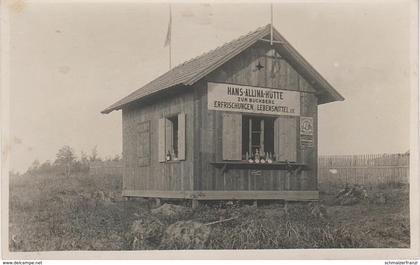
[306, 132]
[306, 126]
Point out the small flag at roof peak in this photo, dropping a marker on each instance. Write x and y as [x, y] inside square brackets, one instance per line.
[168, 34]
[169, 37]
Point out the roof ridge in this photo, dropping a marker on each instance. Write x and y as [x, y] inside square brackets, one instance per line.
[221, 46]
[188, 62]
[192, 70]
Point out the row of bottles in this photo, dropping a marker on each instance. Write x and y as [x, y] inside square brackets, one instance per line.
[260, 157]
[171, 156]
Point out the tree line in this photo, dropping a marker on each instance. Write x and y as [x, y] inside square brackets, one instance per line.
[67, 162]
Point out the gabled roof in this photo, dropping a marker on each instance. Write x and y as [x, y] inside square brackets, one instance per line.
[193, 70]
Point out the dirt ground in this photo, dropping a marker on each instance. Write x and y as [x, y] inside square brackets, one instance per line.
[88, 213]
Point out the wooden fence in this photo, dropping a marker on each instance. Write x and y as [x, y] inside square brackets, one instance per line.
[106, 168]
[366, 170]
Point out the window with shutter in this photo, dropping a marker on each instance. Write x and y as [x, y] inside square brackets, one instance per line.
[172, 138]
[251, 137]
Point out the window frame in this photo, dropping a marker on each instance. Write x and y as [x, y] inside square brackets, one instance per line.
[250, 117]
[177, 146]
[174, 134]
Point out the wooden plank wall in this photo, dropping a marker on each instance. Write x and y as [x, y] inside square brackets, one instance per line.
[208, 126]
[157, 176]
[366, 170]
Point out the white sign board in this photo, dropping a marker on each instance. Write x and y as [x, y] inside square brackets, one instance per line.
[239, 98]
[306, 126]
[306, 132]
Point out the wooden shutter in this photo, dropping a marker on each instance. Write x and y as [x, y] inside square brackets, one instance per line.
[232, 136]
[181, 136]
[161, 140]
[285, 138]
[143, 143]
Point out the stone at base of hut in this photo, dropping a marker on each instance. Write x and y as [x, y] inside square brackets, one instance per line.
[170, 210]
[187, 234]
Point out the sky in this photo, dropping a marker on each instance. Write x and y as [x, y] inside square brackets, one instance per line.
[69, 61]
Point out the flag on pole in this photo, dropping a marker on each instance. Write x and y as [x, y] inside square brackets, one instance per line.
[169, 33]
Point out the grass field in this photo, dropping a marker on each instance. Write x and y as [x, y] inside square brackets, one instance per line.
[88, 213]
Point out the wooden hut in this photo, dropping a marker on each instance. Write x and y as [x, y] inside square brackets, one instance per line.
[236, 123]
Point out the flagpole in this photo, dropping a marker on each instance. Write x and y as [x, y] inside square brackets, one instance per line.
[271, 23]
[170, 41]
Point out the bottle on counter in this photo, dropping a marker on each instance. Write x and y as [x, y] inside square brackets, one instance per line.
[257, 156]
[269, 158]
[263, 158]
[250, 160]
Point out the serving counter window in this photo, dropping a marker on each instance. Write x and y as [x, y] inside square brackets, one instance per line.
[259, 138]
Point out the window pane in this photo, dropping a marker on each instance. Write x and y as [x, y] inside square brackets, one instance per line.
[245, 136]
[256, 124]
[252, 142]
[174, 147]
[269, 135]
[255, 139]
